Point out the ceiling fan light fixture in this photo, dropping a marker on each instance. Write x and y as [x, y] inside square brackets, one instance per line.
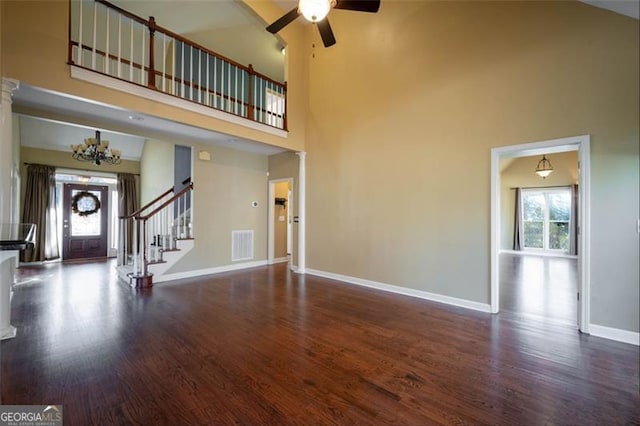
[314, 10]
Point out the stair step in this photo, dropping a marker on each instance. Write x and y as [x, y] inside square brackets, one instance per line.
[155, 262]
[168, 250]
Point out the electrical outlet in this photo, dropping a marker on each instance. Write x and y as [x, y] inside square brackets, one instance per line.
[638, 226]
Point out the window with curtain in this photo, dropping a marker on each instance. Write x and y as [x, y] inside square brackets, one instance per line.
[40, 209]
[128, 200]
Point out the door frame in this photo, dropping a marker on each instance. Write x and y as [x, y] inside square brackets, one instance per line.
[271, 241]
[576, 143]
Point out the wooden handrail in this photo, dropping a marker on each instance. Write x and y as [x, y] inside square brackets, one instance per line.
[149, 204]
[167, 202]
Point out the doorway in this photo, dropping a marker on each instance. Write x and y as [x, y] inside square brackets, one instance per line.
[581, 145]
[85, 220]
[280, 218]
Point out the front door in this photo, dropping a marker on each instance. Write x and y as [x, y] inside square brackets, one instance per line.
[84, 233]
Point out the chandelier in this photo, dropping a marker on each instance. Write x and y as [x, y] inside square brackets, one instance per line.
[96, 151]
[544, 167]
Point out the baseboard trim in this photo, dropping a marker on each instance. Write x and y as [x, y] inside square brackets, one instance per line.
[454, 301]
[539, 253]
[616, 334]
[281, 260]
[208, 271]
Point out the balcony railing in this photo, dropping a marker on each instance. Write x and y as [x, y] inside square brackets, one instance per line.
[109, 40]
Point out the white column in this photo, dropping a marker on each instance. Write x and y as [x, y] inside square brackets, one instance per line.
[8, 262]
[7, 202]
[302, 172]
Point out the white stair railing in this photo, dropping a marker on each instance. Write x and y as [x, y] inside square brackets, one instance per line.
[152, 230]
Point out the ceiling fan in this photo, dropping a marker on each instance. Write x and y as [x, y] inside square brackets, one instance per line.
[316, 11]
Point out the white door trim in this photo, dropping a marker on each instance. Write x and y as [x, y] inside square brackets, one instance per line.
[272, 216]
[575, 143]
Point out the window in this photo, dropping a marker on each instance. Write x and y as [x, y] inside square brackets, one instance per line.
[275, 109]
[546, 215]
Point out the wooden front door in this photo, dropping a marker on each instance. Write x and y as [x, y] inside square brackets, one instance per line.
[84, 233]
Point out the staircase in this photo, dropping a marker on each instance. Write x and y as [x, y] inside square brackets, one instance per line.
[155, 237]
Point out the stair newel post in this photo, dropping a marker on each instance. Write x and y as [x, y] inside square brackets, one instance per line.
[144, 247]
[151, 236]
[135, 248]
[151, 81]
[250, 106]
[183, 223]
[122, 242]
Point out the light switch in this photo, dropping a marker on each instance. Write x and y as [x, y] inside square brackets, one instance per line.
[281, 218]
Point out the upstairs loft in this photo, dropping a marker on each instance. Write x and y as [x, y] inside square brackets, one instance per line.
[112, 47]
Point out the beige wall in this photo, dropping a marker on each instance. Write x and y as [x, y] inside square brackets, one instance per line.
[224, 189]
[284, 166]
[405, 109]
[280, 226]
[521, 173]
[42, 26]
[156, 169]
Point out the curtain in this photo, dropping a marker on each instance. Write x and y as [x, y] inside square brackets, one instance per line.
[40, 209]
[518, 228]
[573, 223]
[128, 201]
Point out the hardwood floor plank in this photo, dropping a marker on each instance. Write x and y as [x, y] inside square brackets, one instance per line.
[265, 346]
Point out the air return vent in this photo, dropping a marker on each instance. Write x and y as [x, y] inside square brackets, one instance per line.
[241, 245]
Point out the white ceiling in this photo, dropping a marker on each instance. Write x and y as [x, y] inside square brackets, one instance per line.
[57, 136]
[629, 8]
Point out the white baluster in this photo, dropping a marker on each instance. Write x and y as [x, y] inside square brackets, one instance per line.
[199, 76]
[164, 62]
[106, 55]
[80, 35]
[190, 72]
[119, 45]
[93, 54]
[142, 73]
[228, 87]
[207, 97]
[235, 94]
[131, 53]
[182, 73]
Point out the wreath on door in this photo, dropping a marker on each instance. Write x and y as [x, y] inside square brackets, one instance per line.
[85, 203]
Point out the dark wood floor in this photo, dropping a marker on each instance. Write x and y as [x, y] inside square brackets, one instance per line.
[539, 287]
[265, 346]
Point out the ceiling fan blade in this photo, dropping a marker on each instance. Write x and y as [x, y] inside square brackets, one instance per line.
[370, 6]
[283, 21]
[326, 33]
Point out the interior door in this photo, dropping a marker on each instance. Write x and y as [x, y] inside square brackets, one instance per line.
[84, 223]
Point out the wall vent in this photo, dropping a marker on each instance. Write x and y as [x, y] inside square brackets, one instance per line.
[241, 245]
